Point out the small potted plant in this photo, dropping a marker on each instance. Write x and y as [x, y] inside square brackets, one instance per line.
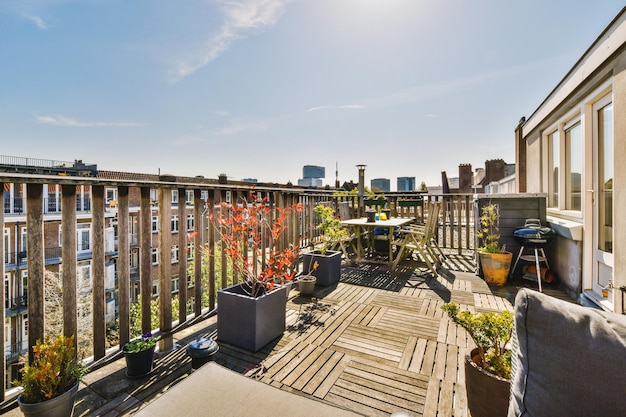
[139, 355]
[327, 262]
[488, 366]
[50, 382]
[495, 260]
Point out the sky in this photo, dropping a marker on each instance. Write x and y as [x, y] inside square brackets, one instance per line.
[260, 88]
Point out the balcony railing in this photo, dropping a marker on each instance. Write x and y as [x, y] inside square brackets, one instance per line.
[454, 234]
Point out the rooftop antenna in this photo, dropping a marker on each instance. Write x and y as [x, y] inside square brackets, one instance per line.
[336, 174]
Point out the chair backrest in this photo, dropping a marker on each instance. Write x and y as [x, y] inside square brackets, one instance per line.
[432, 220]
[344, 210]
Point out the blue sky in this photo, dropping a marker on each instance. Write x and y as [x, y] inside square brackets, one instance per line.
[259, 88]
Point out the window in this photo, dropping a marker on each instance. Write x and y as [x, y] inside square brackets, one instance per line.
[573, 167]
[175, 284]
[190, 248]
[155, 256]
[564, 161]
[7, 291]
[7, 245]
[155, 224]
[155, 288]
[174, 254]
[23, 239]
[174, 223]
[553, 169]
[189, 197]
[190, 223]
[83, 242]
[175, 197]
[190, 281]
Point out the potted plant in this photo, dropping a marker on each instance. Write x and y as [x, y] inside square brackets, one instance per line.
[139, 355]
[327, 262]
[252, 313]
[495, 260]
[488, 366]
[50, 382]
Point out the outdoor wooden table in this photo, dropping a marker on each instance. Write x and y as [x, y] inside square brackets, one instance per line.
[362, 225]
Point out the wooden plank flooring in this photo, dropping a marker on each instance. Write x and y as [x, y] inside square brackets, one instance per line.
[373, 350]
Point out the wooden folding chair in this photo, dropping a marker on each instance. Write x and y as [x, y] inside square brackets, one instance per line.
[419, 239]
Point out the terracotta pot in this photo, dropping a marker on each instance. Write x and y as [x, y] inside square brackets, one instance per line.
[487, 394]
[496, 267]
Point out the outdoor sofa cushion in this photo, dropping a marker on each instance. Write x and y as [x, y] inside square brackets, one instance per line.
[570, 360]
[215, 391]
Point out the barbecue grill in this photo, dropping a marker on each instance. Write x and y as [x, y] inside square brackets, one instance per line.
[534, 236]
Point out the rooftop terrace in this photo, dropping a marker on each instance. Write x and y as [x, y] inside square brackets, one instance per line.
[375, 343]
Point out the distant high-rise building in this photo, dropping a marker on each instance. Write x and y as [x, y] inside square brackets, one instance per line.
[406, 183]
[313, 171]
[312, 176]
[382, 184]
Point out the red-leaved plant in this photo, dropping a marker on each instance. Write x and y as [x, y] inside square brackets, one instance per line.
[250, 234]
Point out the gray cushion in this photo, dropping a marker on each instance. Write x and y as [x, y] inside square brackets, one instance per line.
[571, 359]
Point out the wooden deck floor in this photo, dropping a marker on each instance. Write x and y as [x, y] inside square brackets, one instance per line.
[375, 345]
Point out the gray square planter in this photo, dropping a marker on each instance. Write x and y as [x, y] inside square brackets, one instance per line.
[328, 270]
[250, 323]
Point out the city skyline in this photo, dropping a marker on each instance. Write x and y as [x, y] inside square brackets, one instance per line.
[259, 88]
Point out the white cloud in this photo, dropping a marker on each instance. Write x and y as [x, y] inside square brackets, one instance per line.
[240, 18]
[66, 121]
[343, 106]
[38, 21]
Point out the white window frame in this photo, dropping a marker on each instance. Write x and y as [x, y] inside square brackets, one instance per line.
[155, 224]
[174, 223]
[175, 254]
[175, 284]
[191, 224]
[154, 256]
[559, 128]
[82, 229]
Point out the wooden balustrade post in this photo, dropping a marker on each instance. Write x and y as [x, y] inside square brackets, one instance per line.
[210, 241]
[123, 264]
[165, 267]
[199, 231]
[145, 257]
[98, 272]
[35, 259]
[182, 255]
[68, 254]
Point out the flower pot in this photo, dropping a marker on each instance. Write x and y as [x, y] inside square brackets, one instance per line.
[411, 203]
[487, 394]
[250, 322]
[495, 266]
[328, 269]
[139, 364]
[371, 216]
[61, 406]
[306, 285]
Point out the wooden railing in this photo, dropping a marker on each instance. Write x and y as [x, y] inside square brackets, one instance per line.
[136, 206]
